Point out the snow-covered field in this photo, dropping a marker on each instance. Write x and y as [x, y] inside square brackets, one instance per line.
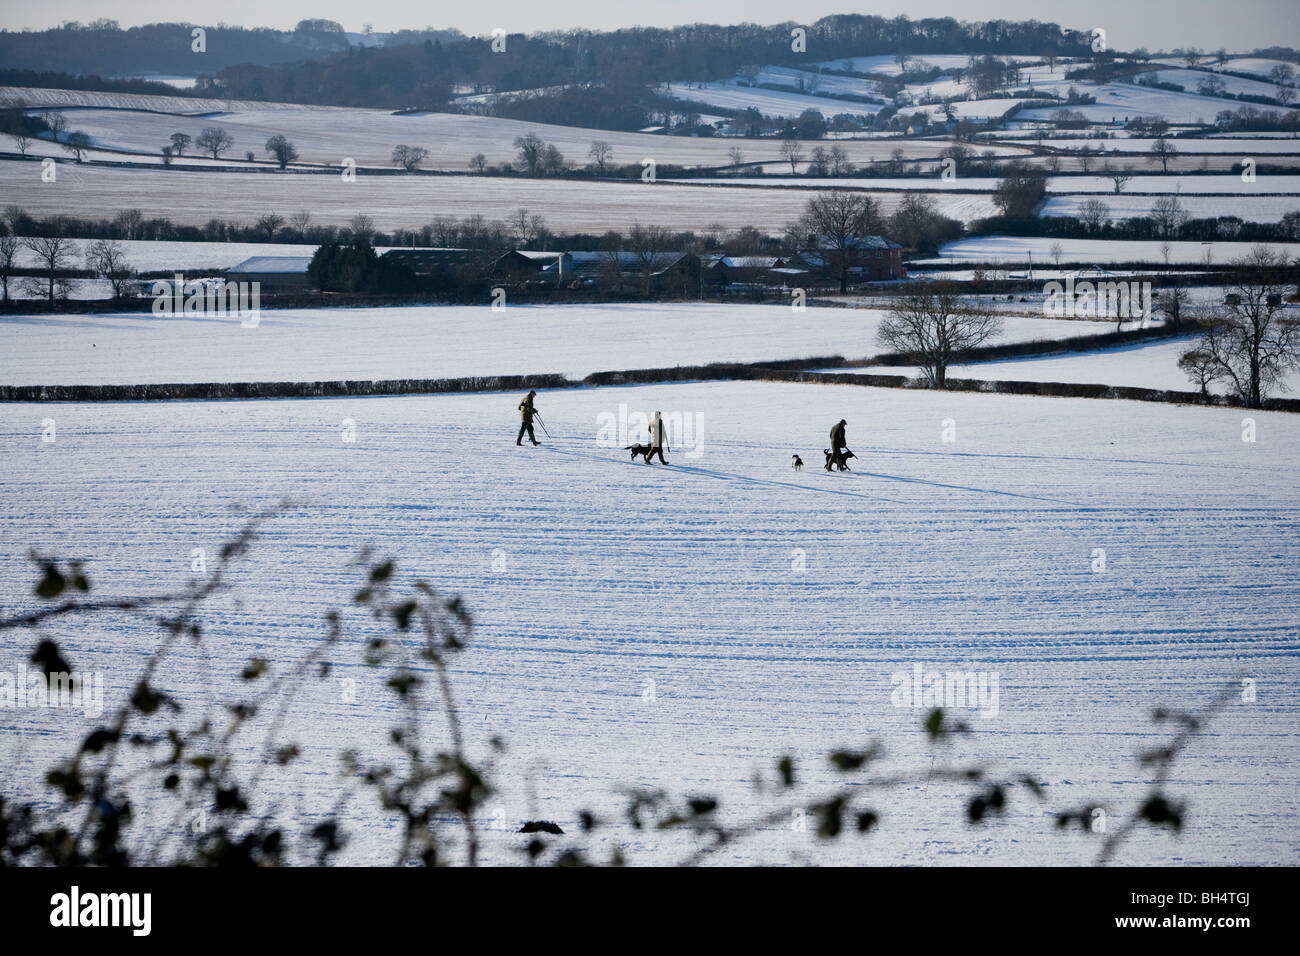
[685, 627]
[729, 95]
[1235, 85]
[439, 341]
[1139, 184]
[406, 202]
[1016, 248]
[1124, 206]
[148, 255]
[329, 134]
[1120, 102]
[1185, 144]
[1148, 365]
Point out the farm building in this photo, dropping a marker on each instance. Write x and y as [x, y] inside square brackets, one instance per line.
[272, 272]
[657, 271]
[433, 263]
[870, 258]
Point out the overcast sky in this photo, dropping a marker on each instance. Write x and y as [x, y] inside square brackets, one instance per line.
[1155, 24]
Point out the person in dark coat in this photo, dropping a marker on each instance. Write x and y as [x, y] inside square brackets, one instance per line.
[838, 444]
[526, 413]
[657, 440]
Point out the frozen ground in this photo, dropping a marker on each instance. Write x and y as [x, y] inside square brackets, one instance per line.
[642, 625]
[441, 341]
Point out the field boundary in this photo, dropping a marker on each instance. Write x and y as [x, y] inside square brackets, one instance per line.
[792, 370]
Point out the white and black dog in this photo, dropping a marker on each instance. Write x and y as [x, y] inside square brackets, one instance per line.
[796, 462]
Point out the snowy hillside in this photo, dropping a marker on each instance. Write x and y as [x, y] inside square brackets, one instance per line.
[977, 554]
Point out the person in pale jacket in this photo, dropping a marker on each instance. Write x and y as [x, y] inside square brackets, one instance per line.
[658, 439]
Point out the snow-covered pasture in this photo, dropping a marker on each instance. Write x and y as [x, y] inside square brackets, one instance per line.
[1187, 145]
[1191, 184]
[408, 202]
[437, 342]
[328, 135]
[731, 96]
[1125, 206]
[1125, 101]
[1235, 85]
[1145, 365]
[686, 627]
[1015, 249]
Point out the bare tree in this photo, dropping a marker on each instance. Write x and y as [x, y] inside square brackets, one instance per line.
[1162, 151]
[180, 142]
[792, 153]
[57, 124]
[8, 261]
[1172, 303]
[552, 160]
[53, 255]
[214, 140]
[478, 163]
[77, 143]
[1085, 158]
[840, 165]
[834, 222]
[600, 154]
[106, 258]
[934, 327]
[130, 223]
[409, 157]
[736, 155]
[1252, 342]
[281, 150]
[526, 226]
[531, 150]
[1169, 216]
[299, 221]
[647, 243]
[362, 227]
[270, 223]
[1093, 213]
[1120, 180]
[1198, 365]
[22, 139]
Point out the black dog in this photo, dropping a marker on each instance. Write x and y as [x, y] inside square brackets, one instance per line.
[842, 463]
[796, 462]
[642, 450]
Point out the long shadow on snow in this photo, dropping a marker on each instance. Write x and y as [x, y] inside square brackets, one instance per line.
[982, 491]
[725, 476]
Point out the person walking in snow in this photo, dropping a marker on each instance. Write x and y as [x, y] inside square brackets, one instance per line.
[838, 444]
[658, 440]
[526, 413]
